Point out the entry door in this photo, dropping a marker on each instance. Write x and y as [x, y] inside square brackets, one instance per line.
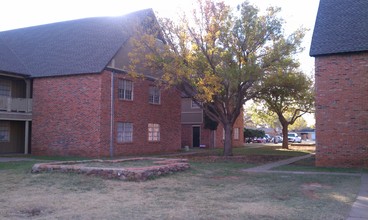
[196, 136]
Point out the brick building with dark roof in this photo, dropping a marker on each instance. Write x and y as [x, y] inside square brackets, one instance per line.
[340, 48]
[64, 91]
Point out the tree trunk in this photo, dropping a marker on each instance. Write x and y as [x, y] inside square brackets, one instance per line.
[285, 142]
[228, 148]
[212, 139]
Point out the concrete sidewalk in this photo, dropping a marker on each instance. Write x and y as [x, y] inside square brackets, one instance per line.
[359, 211]
[269, 166]
[11, 159]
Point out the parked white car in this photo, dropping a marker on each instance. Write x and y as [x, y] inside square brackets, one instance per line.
[293, 137]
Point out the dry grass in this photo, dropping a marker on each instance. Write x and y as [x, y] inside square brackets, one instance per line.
[208, 191]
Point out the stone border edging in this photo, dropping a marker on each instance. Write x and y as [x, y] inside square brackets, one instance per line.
[163, 167]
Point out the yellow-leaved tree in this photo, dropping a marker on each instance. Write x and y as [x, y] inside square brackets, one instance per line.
[216, 55]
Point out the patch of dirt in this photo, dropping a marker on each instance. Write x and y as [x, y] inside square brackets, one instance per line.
[309, 189]
[225, 177]
[281, 197]
[31, 212]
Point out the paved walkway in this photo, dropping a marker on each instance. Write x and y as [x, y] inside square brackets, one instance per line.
[10, 159]
[359, 210]
[269, 166]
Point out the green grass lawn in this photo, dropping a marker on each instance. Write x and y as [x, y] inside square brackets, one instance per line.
[209, 190]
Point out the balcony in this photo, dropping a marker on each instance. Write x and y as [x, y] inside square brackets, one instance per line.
[20, 105]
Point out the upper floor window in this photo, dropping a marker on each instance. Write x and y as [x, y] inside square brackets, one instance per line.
[125, 132]
[5, 88]
[154, 95]
[125, 89]
[4, 131]
[153, 132]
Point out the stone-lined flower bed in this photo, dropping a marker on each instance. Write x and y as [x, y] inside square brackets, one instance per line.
[111, 169]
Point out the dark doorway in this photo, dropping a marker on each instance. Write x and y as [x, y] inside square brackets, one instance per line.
[196, 136]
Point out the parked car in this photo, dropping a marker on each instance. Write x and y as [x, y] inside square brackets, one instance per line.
[260, 140]
[276, 139]
[293, 137]
[249, 140]
[268, 138]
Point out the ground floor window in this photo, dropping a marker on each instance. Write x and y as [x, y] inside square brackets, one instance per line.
[236, 133]
[125, 132]
[153, 132]
[4, 131]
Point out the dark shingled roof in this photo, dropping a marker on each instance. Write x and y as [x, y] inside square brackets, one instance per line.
[66, 48]
[341, 27]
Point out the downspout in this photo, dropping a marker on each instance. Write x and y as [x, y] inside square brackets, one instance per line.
[112, 117]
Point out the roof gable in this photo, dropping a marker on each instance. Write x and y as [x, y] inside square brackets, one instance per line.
[341, 27]
[65, 48]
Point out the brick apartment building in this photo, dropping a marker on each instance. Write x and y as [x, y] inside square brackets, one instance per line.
[340, 48]
[64, 91]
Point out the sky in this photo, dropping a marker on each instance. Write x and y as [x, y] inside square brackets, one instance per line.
[23, 13]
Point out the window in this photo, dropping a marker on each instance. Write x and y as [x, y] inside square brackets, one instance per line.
[154, 95]
[4, 131]
[5, 88]
[236, 133]
[194, 104]
[125, 132]
[125, 89]
[153, 132]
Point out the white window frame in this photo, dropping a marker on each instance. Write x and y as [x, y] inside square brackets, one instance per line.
[124, 132]
[195, 105]
[4, 131]
[154, 96]
[153, 132]
[124, 92]
[5, 88]
[236, 134]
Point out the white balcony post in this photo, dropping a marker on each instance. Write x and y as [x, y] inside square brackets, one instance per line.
[26, 137]
[28, 88]
[28, 95]
[9, 100]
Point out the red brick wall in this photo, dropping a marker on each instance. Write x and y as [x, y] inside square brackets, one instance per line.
[186, 135]
[342, 110]
[236, 143]
[66, 115]
[140, 112]
[71, 116]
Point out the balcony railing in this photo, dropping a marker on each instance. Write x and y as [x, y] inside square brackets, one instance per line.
[10, 104]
